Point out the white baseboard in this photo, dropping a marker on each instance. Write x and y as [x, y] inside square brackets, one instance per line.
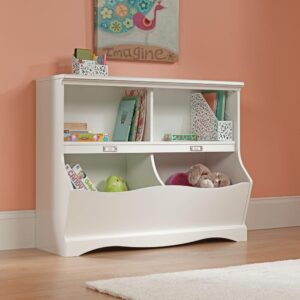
[17, 228]
[275, 212]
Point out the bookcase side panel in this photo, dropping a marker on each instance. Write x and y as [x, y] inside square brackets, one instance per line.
[51, 192]
[232, 113]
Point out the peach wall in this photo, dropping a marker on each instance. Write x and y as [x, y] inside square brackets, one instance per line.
[253, 41]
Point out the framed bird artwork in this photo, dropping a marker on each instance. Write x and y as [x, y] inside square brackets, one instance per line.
[137, 30]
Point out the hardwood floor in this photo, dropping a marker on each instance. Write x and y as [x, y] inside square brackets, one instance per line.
[33, 274]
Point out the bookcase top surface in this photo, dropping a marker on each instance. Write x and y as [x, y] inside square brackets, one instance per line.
[143, 81]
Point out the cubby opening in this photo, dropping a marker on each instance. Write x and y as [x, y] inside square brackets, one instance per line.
[98, 107]
[172, 111]
[172, 163]
[137, 169]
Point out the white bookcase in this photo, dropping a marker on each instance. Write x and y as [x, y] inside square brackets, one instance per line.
[72, 222]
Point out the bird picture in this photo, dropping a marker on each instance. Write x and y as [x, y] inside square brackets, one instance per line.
[126, 22]
[122, 16]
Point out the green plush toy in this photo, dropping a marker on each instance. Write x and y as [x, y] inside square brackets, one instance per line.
[115, 184]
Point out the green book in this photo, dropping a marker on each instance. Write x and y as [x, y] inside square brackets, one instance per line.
[124, 120]
[135, 119]
[84, 54]
[220, 112]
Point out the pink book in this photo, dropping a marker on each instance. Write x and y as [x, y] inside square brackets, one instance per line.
[142, 115]
[211, 99]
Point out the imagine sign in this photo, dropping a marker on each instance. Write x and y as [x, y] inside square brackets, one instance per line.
[137, 30]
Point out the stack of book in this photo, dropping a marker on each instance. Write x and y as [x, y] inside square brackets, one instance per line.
[130, 121]
[78, 132]
[217, 102]
[79, 179]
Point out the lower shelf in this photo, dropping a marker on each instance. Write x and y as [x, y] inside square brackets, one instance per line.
[154, 216]
[148, 147]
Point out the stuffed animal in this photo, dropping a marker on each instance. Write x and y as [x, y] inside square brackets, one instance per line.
[200, 176]
[206, 181]
[220, 179]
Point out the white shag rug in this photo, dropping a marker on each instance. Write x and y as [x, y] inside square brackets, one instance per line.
[263, 281]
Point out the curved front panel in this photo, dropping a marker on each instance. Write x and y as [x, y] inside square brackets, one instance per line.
[152, 211]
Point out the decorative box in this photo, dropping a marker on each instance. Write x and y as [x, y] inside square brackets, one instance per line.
[88, 67]
[225, 131]
[203, 121]
[205, 124]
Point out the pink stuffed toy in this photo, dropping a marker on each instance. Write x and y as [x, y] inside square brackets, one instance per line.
[199, 176]
[178, 179]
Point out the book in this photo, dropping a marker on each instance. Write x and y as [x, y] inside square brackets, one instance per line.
[220, 112]
[75, 126]
[75, 180]
[180, 137]
[84, 178]
[212, 99]
[217, 102]
[142, 93]
[85, 137]
[135, 118]
[84, 54]
[124, 119]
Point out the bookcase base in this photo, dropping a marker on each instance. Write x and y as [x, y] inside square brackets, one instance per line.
[80, 245]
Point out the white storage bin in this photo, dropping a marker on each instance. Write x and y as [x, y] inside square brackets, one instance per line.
[88, 67]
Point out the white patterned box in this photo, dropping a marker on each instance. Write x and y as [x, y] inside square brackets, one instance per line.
[88, 67]
[205, 124]
[203, 120]
[225, 131]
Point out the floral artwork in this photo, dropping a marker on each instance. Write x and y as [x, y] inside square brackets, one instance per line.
[137, 30]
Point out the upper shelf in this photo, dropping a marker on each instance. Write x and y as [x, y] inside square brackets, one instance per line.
[148, 147]
[71, 79]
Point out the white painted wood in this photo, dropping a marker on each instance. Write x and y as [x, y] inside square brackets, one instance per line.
[171, 112]
[154, 210]
[17, 229]
[137, 169]
[140, 172]
[154, 167]
[273, 212]
[78, 246]
[96, 105]
[52, 184]
[148, 147]
[72, 79]
[151, 214]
